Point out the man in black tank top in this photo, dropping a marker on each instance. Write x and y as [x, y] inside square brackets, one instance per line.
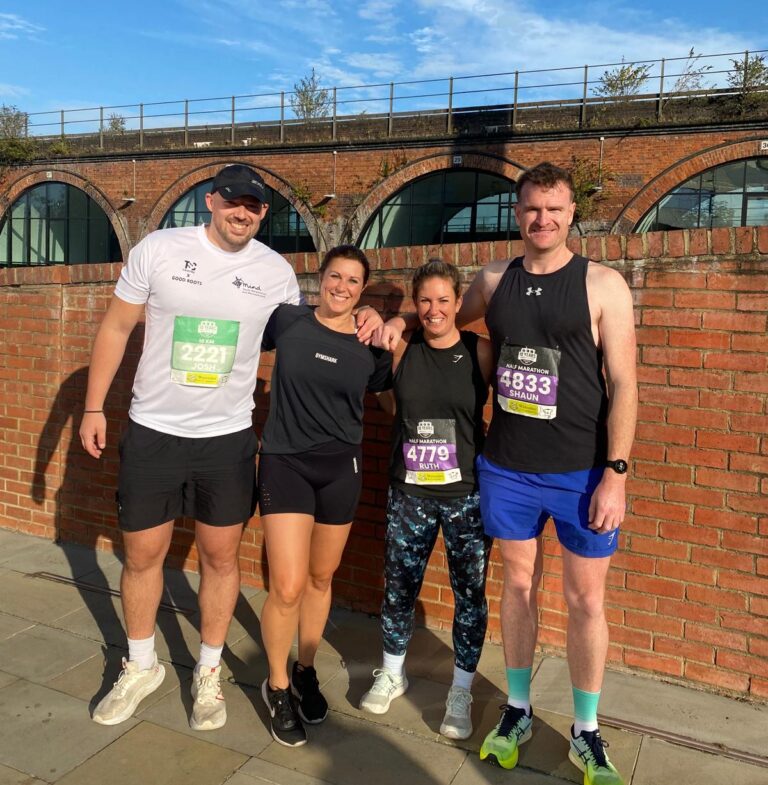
[565, 406]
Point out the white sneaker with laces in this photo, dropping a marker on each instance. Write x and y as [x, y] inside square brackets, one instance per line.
[457, 723]
[209, 710]
[386, 687]
[131, 687]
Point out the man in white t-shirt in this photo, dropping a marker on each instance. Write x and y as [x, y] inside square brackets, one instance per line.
[189, 448]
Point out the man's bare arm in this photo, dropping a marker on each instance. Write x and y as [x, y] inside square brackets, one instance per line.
[616, 330]
[108, 350]
[479, 293]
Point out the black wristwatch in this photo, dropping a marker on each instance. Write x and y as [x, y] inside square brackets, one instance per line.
[619, 466]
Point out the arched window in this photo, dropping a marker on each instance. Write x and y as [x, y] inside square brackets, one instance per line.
[283, 230]
[452, 206]
[56, 223]
[732, 194]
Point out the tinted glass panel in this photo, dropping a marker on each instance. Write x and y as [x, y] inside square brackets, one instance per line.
[426, 224]
[451, 207]
[37, 237]
[461, 187]
[725, 210]
[721, 196]
[56, 199]
[757, 211]
[729, 177]
[77, 251]
[757, 175]
[57, 241]
[429, 190]
[51, 223]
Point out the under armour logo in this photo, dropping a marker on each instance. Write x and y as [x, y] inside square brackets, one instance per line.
[457, 357]
[536, 291]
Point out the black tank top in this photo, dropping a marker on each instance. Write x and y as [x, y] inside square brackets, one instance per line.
[550, 403]
[438, 430]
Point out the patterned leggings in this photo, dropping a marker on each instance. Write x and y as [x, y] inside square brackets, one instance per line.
[412, 526]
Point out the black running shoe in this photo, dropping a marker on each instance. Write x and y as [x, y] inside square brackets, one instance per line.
[286, 727]
[313, 707]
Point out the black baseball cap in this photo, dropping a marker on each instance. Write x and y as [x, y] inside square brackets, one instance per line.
[239, 180]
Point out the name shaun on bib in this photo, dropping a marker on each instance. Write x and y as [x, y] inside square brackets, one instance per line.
[527, 378]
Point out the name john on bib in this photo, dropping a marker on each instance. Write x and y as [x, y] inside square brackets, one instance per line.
[203, 351]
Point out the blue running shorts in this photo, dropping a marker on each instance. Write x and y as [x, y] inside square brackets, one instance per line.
[516, 505]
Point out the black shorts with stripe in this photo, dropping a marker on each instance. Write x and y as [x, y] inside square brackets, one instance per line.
[324, 483]
[163, 477]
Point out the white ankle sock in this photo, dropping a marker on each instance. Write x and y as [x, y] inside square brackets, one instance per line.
[580, 725]
[142, 652]
[394, 663]
[462, 678]
[210, 656]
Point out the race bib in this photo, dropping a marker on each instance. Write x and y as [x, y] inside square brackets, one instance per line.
[527, 378]
[429, 452]
[203, 351]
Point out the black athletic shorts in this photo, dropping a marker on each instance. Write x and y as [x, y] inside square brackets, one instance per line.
[324, 483]
[163, 477]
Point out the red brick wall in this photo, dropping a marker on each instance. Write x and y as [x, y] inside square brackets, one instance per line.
[639, 167]
[688, 596]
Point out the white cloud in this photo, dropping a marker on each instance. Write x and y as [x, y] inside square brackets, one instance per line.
[13, 26]
[12, 90]
[382, 66]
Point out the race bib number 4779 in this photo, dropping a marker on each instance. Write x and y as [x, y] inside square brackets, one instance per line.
[526, 379]
[429, 452]
[203, 351]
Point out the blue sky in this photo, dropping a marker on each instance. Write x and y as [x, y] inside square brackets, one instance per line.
[62, 55]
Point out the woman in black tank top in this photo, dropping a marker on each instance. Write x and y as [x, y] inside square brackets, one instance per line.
[440, 386]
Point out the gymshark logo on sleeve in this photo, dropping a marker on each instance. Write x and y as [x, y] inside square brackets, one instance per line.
[530, 290]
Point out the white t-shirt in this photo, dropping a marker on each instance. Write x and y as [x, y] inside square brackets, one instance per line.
[206, 310]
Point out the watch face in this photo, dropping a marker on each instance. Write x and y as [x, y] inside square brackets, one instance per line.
[620, 467]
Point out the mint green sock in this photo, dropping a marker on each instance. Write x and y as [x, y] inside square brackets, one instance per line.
[519, 687]
[584, 710]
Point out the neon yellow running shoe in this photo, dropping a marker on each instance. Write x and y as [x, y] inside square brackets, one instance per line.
[588, 754]
[501, 745]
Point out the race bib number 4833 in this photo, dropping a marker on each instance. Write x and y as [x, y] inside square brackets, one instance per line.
[527, 378]
[203, 351]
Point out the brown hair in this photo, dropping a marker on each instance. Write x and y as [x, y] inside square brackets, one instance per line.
[545, 175]
[347, 252]
[435, 268]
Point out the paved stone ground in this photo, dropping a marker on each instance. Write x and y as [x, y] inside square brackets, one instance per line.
[60, 651]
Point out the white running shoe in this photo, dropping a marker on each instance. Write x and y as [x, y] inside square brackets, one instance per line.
[131, 687]
[457, 723]
[386, 687]
[209, 710]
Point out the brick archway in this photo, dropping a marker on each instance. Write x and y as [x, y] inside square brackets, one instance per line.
[674, 175]
[414, 170]
[51, 175]
[207, 172]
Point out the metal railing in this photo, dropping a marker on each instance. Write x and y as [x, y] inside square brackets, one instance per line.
[574, 97]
